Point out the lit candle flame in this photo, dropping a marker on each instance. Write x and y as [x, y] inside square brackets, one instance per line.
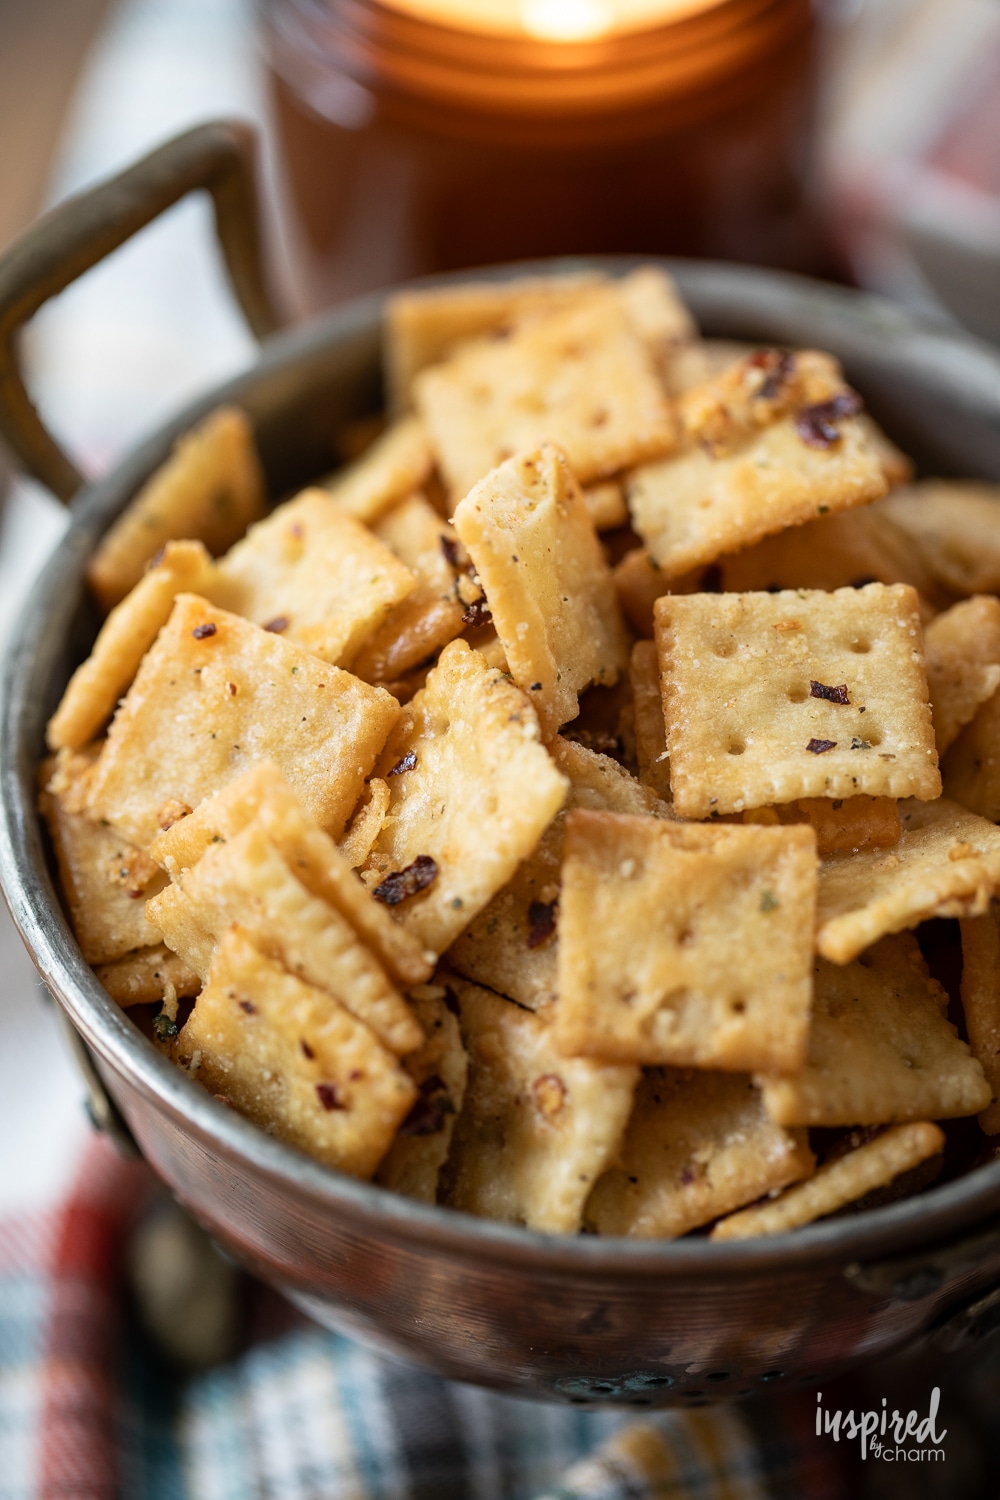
[567, 20]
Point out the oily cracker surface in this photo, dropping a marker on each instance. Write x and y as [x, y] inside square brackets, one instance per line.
[881, 1048]
[431, 614]
[397, 463]
[962, 651]
[971, 765]
[838, 1183]
[479, 794]
[550, 590]
[699, 1144]
[314, 575]
[842, 826]
[210, 490]
[105, 879]
[954, 525]
[512, 945]
[744, 468]
[93, 691]
[294, 1061]
[946, 864]
[216, 694]
[650, 729]
[579, 377]
[146, 976]
[981, 1003]
[753, 689]
[536, 1129]
[439, 1068]
[363, 829]
[685, 944]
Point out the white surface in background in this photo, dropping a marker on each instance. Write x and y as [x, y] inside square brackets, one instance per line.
[108, 361]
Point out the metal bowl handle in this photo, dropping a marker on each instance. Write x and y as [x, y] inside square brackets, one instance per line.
[218, 157]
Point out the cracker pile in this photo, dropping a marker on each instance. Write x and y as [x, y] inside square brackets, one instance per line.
[540, 816]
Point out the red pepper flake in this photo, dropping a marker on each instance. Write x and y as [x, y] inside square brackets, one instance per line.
[277, 625]
[402, 884]
[831, 694]
[307, 1051]
[542, 916]
[817, 425]
[819, 747]
[329, 1096]
[249, 1007]
[478, 613]
[202, 632]
[428, 1114]
[779, 364]
[232, 688]
[406, 763]
[449, 547]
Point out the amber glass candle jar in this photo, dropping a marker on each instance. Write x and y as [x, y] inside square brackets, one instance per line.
[409, 143]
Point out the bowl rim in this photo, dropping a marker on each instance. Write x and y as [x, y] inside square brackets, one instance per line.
[912, 1224]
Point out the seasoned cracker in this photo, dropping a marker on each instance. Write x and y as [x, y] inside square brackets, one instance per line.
[476, 800]
[262, 798]
[216, 694]
[396, 464]
[881, 1047]
[439, 1069]
[838, 1183]
[126, 635]
[962, 651]
[946, 864]
[981, 1003]
[315, 576]
[294, 1061]
[841, 826]
[104, 879]
[639, 582]
[536, 1129]
[210, 490]
[550, 591]
[654, 308]
[146, 976]
[971, 766]
[955, 526]
[431, 615]
[772, 697]
[754, 459]
[183, 929]
[513, 943]
[606, 505]
[685, 944]
[245, 880]
[650, 729]
[699, 1144]
[364, 827]
[578, 377]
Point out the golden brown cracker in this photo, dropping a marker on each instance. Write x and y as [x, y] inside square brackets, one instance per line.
[842, 826]
[550, 591]
[650, 729]
[946, 864]
[294, 1061]
[971, 765]
[881, 1048]
[981, 1003]
[955, 526]
[685, 944]
[210, 490]
[146, 976]
[962, 651]
[397, 463]
[214, 695]
[838, 1183]
[439, 1069]
[772, 697]
[536, 1129]
[606, 505]
[363, 829]
[699, 1144]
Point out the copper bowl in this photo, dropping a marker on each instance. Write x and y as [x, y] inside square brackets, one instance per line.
[580, 1319]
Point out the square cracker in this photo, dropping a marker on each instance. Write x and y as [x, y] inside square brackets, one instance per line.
[946, 864]
[513, 943]
[981, 1003]
[363, 829]
[315, 576]
[954, 524]
[838, 1183]
[439, 1069]
[650, 729]
[550, 590]
[431, 614]
[93, 691]
[579, 377]
[477, 798]
[396, 464]
[210, 489]
[146, 976]
[606, 505]
[842, 827]
[753, 697]
[962, 651]
[215, 694]
[971, 765]
[699, 1144]
[881, 1047]
[749, 463]
[536, 1129]
[294, 1061]
[104, 878]
[685, 944]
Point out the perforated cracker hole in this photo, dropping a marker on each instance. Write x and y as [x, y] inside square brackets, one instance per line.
[798, 693]
[861, 645]
[736, 747]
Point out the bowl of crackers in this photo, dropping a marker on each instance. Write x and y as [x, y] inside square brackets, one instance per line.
[505, 792]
